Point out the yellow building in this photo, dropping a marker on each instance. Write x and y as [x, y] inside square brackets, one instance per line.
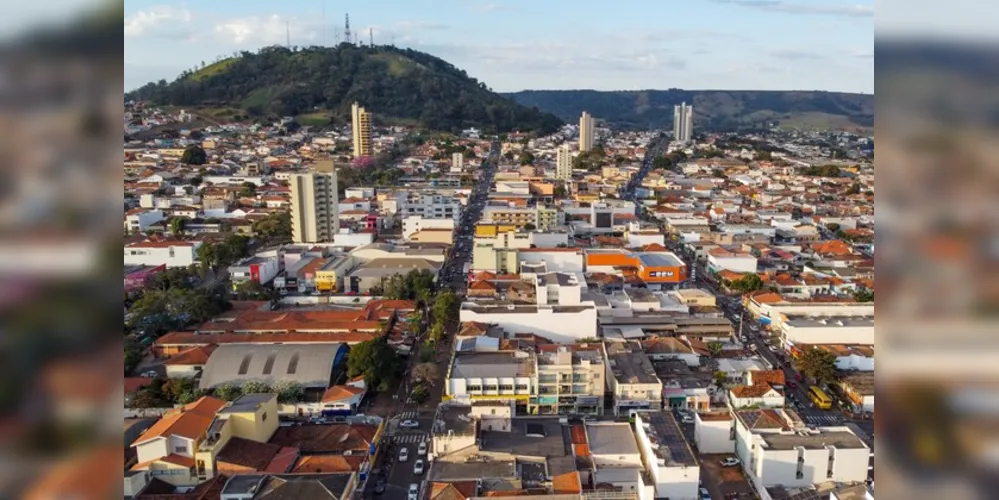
[361, 130]
[547, 218]
[491, 230]
[182, 447]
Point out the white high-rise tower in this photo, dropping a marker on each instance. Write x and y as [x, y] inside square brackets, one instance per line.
[683, 122]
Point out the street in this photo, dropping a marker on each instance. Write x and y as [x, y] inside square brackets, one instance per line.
[390, 477]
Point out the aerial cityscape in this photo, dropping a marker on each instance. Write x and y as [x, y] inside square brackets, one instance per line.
[353, 270]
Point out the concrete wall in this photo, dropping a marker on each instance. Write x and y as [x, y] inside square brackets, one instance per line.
[713, 436]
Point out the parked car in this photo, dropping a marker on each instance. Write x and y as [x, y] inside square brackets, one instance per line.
[404, 454]
[730, 462]
[409, 424]
[704, 494]
[422, 449]
[418, 467]
[414, 491]
[791, 384]
[687, 419]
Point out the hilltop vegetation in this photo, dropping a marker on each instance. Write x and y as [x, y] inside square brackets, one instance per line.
[397, 85]
[716, 110]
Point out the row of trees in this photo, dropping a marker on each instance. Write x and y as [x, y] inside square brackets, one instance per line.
[162, 393]
[414, 285]
[224, 253]
[377, 361]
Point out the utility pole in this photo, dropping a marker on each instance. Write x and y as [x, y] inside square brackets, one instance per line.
[287, 34]
[371, 37]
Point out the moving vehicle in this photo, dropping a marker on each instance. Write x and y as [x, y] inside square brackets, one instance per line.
[404, 454]
[422, 449]
[409, 424]
[704, 495]
[418, 467]
[730, 462]
[819, 397]
[414, 491]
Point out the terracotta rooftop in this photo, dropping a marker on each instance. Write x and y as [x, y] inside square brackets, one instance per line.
[189, 421]
[341, 392]
[192, 357]
[195, 339]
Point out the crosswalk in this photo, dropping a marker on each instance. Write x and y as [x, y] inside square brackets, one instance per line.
[822, 419]
[409, 438]
[408, 415]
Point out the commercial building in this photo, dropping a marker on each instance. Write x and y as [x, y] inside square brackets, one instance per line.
[315, 205]
[659, 269]
[857, 330]
[558, 323]
[415, 223]
[563, 163]
[683, 122]
[586, 132]
[360, 121]
[259, 269]
[158, 253]
[492, 376]
[571, 380]
[309, 365]
[633, 382]
[720, 259]
[776, 449]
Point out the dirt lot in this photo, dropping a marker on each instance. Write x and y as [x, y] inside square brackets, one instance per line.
[721, 481]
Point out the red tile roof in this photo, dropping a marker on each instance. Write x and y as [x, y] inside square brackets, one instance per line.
[196, 339]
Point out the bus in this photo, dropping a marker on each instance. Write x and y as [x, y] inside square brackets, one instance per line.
[819, 397]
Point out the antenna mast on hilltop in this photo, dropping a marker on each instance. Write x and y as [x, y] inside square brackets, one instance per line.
[371, 37]
[287, 34]
[346, 29]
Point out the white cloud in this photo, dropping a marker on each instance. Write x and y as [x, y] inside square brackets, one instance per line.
[811, 7]
[156, 20]
[489, 7]
[268, 30]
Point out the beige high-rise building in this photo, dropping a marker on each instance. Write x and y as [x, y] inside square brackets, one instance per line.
[683, 122]
[563, 163]
[585, 132]
[315, 203]
[360, 122]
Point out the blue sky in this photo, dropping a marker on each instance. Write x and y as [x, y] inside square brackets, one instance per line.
[541, 44]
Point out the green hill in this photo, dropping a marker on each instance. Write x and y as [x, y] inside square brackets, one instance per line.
[716, 110]
[320, 83]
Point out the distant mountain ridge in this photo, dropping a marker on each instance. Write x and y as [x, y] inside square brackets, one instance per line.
[320, 83]
[717, 110]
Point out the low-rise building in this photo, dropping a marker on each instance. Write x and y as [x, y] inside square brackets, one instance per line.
[259, 269]
[571, 380]
[172, 253]
[633, 382]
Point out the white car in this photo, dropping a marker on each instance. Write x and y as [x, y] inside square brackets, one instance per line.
[704, 494]
[730, 462]
[418, 467]
[409, 424]
[422, 449]
[404, 454]
[687, 419]
[414, 491]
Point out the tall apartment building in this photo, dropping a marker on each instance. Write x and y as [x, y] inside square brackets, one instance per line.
[585, 132]
[457, 161]
[563, 163]
[315, 203]
[360, 121]
[683, 122]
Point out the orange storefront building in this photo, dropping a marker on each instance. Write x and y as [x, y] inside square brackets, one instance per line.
[661, 268]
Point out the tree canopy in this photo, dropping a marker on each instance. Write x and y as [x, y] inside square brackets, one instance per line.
[414, 285]
[194, 155]
[751, 282]
[392, 83]
[819, 365]
[376, 361]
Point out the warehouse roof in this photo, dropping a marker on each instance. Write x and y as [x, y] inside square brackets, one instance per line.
[310, 365]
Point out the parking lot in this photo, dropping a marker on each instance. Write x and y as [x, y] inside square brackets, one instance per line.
[721, 481]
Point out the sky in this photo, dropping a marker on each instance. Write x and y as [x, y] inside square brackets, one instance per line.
[515, 45]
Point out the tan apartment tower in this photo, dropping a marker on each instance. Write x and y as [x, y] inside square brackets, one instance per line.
[315, 216]
[360, 123]
[585, 132]
[683, 122]
[563, 163]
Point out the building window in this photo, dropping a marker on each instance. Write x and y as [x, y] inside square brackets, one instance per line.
[263, 418]
[180, 449]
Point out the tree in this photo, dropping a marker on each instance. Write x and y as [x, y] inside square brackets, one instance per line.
[376, 361]
[146, 398]
[133, 355]
[560, 191]
[661, 162]
[227, 392]
[445, 309]
[855, 188]
[749, 283]
[526, 158]
[253, 290]
[818, 364]
[275, 229]
[715, 348]
[177, 226]
[175, 387]
[721, 378]
[254, 387]
[194, 155]
[288, 391]
[530, 227]
[863, 295]
[191, 396]
[249, 190]
[426, 372]
[833, 227]
[420, 394]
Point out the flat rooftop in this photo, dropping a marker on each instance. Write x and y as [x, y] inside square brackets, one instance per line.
[830, 321]
[456, 419]
[812, 440]
[633, 368]
[534, 438]
[668, 442]
[472, 471]
[491, 365]
[248, 403]
[660, 260]
[611, 439]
